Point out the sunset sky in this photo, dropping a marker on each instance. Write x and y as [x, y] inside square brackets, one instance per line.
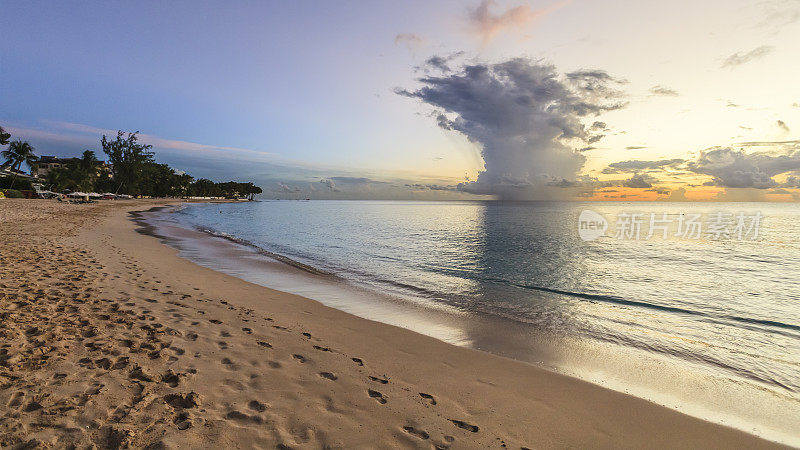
[449, 99]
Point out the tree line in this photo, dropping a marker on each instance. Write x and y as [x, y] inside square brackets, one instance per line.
[131, 170]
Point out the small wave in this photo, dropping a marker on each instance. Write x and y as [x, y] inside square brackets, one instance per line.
[278, 257]
[621, 301]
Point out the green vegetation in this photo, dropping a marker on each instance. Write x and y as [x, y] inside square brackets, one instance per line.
[17, 153]
[21, 184]
[4, 137]
[131, 169]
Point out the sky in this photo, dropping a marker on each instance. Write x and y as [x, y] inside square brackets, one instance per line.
[521, 100]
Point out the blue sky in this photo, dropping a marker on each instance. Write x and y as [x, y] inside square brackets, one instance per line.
[292, 94]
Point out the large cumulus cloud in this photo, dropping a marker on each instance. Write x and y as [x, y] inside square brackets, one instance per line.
[738, 169]
[527, 118]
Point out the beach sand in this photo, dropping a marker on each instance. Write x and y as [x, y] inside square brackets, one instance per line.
[108, 338]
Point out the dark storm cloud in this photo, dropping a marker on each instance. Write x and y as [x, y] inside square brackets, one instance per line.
[524, 115]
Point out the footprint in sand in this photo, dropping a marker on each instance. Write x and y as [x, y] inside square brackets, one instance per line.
[171, 379]
[379, 380]
[239, 416]
[428, 397]
[415, 432]
[358, 361]
[300, 358]
[322, 349]
[328, 376]
[255, 405]
[264, 344]
[182, 421]
[463, 425]
[182, 401]
[377, 396]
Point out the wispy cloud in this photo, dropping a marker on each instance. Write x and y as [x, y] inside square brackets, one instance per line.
[488, 24]
[739, 58]
[410, 40]
[778, 14]
[661, 90]
[636, 165]
[155, 141]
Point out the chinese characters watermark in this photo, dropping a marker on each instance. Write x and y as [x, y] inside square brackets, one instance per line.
[643, 226]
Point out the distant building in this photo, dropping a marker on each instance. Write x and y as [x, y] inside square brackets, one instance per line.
[48, 163]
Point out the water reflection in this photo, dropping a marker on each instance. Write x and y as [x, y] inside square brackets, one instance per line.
[669, 320]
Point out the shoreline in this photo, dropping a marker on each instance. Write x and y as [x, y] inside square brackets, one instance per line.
[679, 385]
[326, 397]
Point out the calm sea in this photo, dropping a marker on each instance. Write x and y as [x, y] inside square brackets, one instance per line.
[709, 326]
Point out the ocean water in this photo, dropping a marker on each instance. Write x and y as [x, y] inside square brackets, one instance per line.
[710, 322]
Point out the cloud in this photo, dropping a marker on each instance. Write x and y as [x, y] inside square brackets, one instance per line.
[782, 125]
[639, 181]
[661, 90]
[283, 187]
[635, 147]
[440, 62]
[80, 133]
[634, 165]
[488, 25]
[330, 184]
[356, 180]
[410, 40]
[785, 144]
[432, 187]
[524, 115]
[778, 13]
[739, 58]
[678, 195]
[737, 169]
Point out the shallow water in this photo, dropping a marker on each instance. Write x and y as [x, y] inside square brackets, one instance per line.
[711, 327]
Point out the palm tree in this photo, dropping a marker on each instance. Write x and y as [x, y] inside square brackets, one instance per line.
[17, 153]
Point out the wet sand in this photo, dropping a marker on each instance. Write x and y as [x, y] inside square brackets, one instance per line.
[109, 338]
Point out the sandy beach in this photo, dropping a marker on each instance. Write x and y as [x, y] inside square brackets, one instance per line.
[108, 338]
